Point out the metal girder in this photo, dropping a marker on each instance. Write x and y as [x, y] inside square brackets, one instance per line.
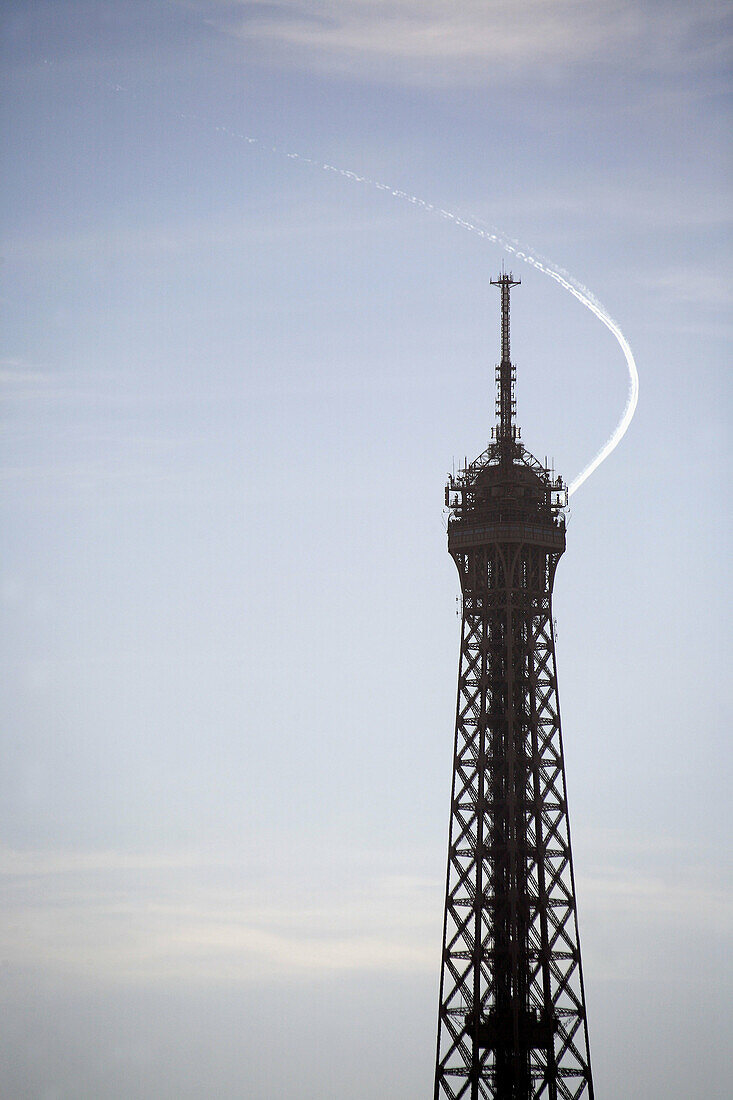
[511, 1022]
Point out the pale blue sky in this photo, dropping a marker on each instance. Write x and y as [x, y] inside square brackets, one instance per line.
[232, 385]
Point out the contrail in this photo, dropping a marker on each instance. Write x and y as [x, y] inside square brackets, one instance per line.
[586, 298]
[527, 256]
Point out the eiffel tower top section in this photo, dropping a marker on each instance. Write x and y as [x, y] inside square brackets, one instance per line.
[505, 483]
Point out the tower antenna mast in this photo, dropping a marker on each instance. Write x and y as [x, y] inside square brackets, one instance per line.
[506, 407]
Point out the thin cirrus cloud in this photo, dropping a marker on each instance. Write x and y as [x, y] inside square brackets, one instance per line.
[691, 285]
[126, 916]
[155, 917]
[474, 41]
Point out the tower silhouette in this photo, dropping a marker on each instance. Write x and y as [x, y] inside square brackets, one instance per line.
[511, 1019]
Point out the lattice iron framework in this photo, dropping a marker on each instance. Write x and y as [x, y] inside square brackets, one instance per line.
[511, 1021]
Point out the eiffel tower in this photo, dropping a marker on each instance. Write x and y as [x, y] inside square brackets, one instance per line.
[511, 1020]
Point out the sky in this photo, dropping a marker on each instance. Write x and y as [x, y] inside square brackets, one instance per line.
[233, 381]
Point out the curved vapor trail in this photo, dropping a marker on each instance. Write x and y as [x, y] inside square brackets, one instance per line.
[582, 293]
[586, 298]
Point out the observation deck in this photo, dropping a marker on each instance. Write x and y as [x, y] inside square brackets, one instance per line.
[507, 499]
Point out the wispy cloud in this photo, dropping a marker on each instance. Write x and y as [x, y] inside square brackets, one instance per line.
[197, 916]
[474, 40]
[16, 372]
[229, 229]
[39, 863]
[691, 285]
[641, 204]
[155, 916]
